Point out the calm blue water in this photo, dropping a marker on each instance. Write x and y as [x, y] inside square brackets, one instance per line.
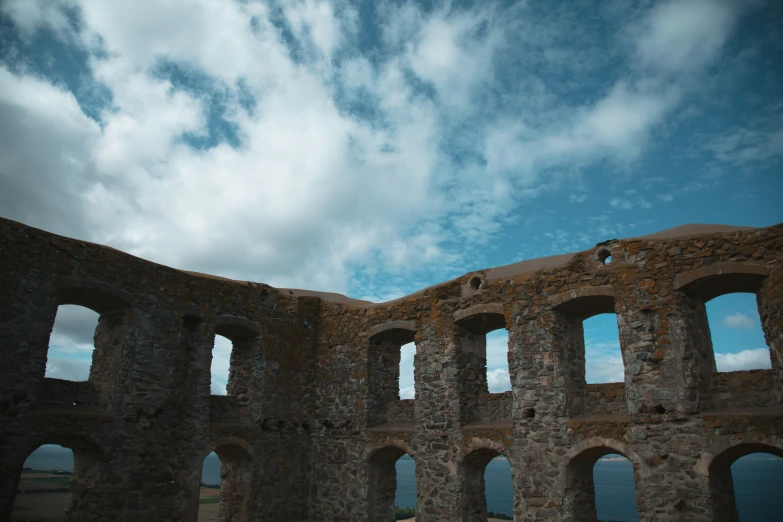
[758, 484]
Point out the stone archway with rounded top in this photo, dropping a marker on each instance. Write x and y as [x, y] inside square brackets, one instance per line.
[476, 456]
[236, 477]
[382, 478]
[716, 463]
[86, 490]
[579, 487]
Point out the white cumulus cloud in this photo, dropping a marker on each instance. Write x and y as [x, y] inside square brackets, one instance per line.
[757, 359]
[498, 380]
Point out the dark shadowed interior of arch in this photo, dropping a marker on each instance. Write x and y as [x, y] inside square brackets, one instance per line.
[71, 343]
[735, 330]
[758, 481]
[473, 336]
[615, 490]
[603, 358]
[405, 494]
[48, 476]
[486, 487]
[746, 480]
[383, 494]
[601, 485]
[224, 487]
[390, 356]
[45, 484]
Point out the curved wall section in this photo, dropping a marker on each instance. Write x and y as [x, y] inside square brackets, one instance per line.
[313, 382]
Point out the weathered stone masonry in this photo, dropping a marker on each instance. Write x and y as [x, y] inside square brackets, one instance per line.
[312, 424]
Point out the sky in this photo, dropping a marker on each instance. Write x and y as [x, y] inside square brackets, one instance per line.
[373, 148]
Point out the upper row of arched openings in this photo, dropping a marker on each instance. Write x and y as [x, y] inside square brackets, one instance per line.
[735, 327]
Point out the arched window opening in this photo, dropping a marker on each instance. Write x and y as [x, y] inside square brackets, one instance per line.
[735, 330]
[221, 362]
[391, 488]
[405, 495]
[591, 355]
[58, 482]
[45, 485]
[600, 486]
[487, 490]
[406, 386]
[758, 481]
[224, 488]
[603, 358]
[72, 344]
[480, 336]
[237, 350]
[615, 491]
[745, 481]
[733, 367]
[391, 384]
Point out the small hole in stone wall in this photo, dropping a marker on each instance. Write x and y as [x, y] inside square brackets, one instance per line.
[660, 409]
[530, 413]
[475, 283]
[604, 256]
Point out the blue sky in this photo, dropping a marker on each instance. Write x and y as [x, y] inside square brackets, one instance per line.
[374, 148]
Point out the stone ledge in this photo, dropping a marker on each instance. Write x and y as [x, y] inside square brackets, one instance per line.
[60, 409]
[592, 419]
[392, 427]
[771, 411]
[488, 425]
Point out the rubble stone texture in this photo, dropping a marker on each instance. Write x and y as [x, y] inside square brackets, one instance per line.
[312, 424]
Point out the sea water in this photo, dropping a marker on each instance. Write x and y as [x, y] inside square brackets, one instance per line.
[758, 486]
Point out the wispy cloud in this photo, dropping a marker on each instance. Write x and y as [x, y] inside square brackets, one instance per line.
[603, 362]
[67, 368]
[329, 151]
[739, 320]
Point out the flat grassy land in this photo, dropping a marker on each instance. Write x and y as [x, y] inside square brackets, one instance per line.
[49, 507]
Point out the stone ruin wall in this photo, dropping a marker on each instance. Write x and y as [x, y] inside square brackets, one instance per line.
[312, 424]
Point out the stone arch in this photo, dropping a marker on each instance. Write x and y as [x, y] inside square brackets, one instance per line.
[113, 305]
[96, 295]
[716, 463]
[481, 318]
[236, 477]
[571, 309]
[236, 328]
[399, 331]
[400, 444]
[585, 302]
[85, 491]
[246, 353]
[384, 348]
[578, 486]
[476, 455]
[717, 279]
[471, 326]
[696, 288]
[381, 459]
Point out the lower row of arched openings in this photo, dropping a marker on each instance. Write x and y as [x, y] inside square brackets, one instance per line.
[745, 482]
